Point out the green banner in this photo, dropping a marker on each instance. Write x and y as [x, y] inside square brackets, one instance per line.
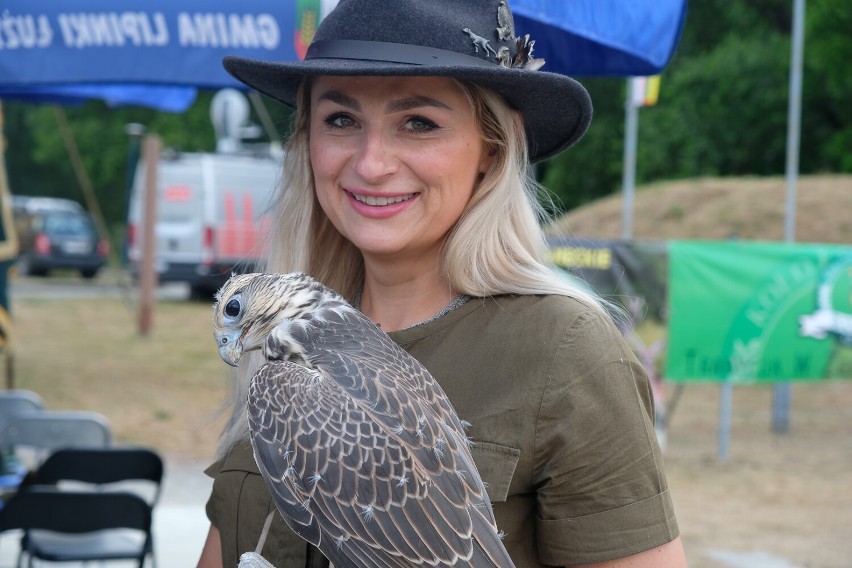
[759, 312]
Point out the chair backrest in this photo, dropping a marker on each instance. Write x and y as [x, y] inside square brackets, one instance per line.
[75, 512]
[51, 430]
[16, 401]
[34, 435]
[102, 466]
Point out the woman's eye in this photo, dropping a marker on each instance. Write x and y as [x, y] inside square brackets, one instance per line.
[420, 125]
[340, 120]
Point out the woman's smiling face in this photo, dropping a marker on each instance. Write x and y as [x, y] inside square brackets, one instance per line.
[395, 160]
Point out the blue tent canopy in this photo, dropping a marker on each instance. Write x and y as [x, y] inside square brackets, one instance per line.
[160, 97]
[146, 52]
[138, 41]
[602, 37]
[157, 52]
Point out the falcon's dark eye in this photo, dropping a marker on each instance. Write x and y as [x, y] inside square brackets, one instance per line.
[232, 308]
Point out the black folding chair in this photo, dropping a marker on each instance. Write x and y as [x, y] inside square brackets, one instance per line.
[83, 525]
[134, 470]
[101, 467]
[129, 469]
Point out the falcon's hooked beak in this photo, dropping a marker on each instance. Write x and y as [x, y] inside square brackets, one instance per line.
[230, 346]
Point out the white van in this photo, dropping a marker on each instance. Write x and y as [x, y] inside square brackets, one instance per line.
[211, 210]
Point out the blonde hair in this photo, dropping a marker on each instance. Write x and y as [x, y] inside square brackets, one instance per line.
[497, 246]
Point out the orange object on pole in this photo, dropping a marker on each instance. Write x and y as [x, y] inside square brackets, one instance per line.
[645, 90]
[147, 271]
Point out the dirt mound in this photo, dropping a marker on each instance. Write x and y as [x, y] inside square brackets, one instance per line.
[722, 208]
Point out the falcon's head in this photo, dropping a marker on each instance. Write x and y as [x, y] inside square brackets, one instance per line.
[249, 306]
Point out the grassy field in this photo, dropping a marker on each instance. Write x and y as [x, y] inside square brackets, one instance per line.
[787, 495]
[162, 390]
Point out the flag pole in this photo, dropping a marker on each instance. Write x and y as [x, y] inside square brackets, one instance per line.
[628, 180]
[781, 394]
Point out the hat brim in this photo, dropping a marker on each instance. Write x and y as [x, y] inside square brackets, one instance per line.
[556, 109]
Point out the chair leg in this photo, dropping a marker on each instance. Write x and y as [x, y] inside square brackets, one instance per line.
[21, 550]
[150, 553]
[30, 559]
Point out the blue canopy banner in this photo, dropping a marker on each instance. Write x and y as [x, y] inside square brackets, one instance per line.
[44, 42]
[147, 53]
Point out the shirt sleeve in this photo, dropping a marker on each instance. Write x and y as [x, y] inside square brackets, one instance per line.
[210, 507]
[238, 506]
[602, 490]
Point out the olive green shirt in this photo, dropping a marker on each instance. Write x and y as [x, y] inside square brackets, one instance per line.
[562, 421]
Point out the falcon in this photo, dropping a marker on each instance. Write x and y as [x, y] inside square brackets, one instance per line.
[362, 451]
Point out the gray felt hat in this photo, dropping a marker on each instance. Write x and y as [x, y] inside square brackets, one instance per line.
[473, 40]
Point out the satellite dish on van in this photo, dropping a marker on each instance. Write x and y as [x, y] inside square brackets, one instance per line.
[229, 113]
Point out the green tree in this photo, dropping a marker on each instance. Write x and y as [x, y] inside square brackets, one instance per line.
[729, 117]
[723, 103]
[592, 168]
[827, 119]
[41, 164]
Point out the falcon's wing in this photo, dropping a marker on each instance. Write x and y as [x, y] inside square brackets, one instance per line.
[348, 346]
[367, 452]
[395, 389]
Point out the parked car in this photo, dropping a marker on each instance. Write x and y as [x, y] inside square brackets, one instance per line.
[56, 234]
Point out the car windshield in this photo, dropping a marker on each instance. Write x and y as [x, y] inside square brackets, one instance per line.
[68, 225]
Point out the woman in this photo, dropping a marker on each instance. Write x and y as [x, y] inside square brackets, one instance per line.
[406, 189]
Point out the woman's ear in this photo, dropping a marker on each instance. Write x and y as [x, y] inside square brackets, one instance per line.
[487, 159]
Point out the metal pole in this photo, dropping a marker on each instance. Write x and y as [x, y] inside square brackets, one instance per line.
[135, 133]
[725, 412]
[628, 181]
[781, 391]
[794, 117]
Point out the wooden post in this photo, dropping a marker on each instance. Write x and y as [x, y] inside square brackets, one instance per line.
[147, 270]
[8, 252]
[80, 171]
